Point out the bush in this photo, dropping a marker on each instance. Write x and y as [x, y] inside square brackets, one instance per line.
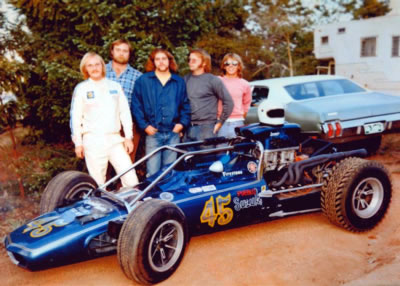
[41, 162]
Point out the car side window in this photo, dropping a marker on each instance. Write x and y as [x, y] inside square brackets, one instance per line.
[322, 88]
[259, 93]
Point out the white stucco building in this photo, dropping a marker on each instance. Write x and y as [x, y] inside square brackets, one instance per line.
[367, 51]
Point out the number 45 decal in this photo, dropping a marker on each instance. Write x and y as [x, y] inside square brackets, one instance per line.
[223, 214]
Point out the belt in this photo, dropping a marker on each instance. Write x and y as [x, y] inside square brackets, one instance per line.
[203, 123]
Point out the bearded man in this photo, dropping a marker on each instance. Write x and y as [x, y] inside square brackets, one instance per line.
[119, 70]
[161, 107]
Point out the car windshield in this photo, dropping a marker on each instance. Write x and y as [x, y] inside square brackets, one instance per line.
[307, 90]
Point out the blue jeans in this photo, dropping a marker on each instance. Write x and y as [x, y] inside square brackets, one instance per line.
[228, 128]
[200, 132]
[162, 158]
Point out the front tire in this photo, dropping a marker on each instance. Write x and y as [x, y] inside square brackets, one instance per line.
[152, 241]
[356, 194]
[65, 187]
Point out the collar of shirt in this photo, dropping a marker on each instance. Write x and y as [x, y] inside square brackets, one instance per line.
[173, 76]
[110, 70]
[96, 81]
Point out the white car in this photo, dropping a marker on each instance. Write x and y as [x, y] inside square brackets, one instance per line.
[331, 107]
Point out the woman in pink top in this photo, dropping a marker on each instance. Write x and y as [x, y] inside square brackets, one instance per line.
[239, 89]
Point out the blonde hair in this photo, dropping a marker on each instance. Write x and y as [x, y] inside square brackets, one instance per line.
[235, 57]
[85, 58]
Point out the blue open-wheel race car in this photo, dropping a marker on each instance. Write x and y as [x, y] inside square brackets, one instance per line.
[264, 173]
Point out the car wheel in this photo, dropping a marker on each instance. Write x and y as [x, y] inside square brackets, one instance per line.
[152, 241]
[356, 194]
[65, 187]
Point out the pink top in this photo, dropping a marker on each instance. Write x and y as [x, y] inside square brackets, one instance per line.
[240, 91]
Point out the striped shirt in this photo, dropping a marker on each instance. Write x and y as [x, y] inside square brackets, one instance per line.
[126, 79]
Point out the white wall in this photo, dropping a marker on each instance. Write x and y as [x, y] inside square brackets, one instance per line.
[381, 72]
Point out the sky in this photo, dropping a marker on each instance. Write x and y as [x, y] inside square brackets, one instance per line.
[10, 14]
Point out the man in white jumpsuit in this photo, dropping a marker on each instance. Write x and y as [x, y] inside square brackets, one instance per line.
[98, 108]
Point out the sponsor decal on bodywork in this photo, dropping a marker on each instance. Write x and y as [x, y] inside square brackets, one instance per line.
[240, 204]
[208, 188]
[274, 134]
[243, 193]
[233, 173]
[252, 167]
[166, 196]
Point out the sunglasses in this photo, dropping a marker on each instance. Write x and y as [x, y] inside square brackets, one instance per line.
[234, 63]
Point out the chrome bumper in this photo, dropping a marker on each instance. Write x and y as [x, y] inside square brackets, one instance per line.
[344, 131]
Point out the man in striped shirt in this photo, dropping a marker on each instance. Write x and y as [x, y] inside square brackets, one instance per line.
[119, 70]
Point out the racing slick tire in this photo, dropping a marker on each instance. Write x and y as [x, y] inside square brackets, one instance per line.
[152, 241]
[356, 194]
[66, 186]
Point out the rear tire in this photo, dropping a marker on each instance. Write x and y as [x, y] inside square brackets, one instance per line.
[152, 241]
[64, 188]
[356, 194]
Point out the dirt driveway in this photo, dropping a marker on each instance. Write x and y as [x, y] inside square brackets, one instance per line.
[301, 250]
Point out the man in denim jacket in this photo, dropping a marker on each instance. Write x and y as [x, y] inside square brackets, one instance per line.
[161, 107]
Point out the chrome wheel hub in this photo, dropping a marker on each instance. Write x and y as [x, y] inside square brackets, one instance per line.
[166, 245]
[367, 198]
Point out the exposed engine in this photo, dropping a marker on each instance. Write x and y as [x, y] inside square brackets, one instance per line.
[284, 165]
[280, 143]
[278, 159]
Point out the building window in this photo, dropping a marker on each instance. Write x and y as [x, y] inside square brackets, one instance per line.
[341, 30]
[324, 40]
[395, 46]
[368, 47]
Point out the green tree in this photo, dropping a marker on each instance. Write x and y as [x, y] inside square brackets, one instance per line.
[245, 44]
[11, 79]
[10, 109]
[284, 26]
[364, 9]
[276, 40]
[61, 31]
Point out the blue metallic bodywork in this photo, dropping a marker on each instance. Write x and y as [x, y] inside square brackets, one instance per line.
[210, 200]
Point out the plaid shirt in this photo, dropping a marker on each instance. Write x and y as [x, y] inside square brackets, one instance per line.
[126, 79]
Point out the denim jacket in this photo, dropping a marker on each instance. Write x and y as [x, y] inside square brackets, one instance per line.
[160, 106]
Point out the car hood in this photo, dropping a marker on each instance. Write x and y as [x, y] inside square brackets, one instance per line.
[61, 236]
[346, 107]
